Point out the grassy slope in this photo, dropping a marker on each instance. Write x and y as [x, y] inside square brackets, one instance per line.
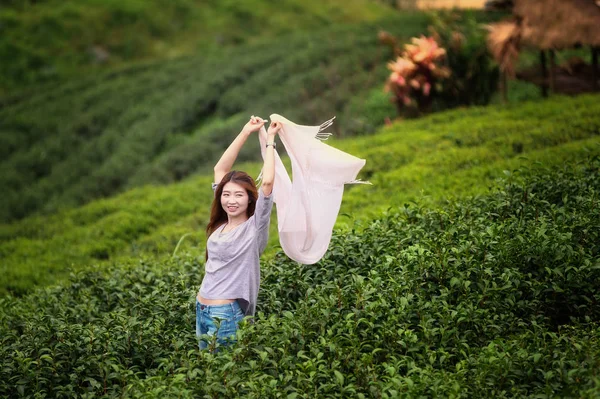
[446, 155]
[52, 39]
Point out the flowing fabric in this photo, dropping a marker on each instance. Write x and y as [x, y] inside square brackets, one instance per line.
[308, 205]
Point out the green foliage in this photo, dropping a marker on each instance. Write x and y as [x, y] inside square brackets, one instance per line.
[45, 40]
[474, 77]
[491, 297]
[367, 114]
[518, 91]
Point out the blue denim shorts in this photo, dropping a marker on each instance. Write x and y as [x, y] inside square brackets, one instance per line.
[217, 320]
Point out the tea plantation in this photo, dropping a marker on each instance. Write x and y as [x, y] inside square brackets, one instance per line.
[494, 296]
[468, 269]
[431, 160]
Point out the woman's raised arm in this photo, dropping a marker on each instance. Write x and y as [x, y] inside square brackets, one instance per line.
[230, 155]
[268, 172]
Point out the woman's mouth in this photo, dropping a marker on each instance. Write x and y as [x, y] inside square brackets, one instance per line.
[232, 208]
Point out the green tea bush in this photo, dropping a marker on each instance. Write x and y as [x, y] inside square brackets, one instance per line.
[494, 296]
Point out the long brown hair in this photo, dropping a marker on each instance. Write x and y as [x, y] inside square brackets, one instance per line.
[218, 216]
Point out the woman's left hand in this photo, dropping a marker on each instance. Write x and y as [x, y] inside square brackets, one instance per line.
[274, 128]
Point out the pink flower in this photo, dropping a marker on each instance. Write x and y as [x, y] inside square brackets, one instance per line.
[414, 73]
[402, 66]
[427, 88]
[424, 49]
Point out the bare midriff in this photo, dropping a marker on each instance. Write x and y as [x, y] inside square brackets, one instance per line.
[206, 301]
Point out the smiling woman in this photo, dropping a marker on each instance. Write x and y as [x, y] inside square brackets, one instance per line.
[237, 233]
[234, 200]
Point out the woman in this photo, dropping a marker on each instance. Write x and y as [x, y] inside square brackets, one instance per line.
[237, 235]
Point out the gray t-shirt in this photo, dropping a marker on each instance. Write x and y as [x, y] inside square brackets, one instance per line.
[232, 270]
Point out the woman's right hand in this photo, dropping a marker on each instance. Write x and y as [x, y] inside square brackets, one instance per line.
[254, 124]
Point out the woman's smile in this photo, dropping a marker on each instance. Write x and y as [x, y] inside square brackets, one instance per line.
[234, 199]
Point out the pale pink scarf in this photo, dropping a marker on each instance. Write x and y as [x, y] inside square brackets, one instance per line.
[308, 205]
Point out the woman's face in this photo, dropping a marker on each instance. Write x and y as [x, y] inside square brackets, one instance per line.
[234, 199]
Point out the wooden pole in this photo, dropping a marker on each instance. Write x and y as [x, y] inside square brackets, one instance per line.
[504, 88]
[552, 71]
[544, 85]
[595, 71]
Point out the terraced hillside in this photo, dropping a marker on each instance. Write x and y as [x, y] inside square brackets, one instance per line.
[160, 122]
[42, 41]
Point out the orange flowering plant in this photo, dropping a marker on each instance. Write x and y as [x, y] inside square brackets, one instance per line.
[416, 73]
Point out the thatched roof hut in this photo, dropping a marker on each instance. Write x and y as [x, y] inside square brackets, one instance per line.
[558, 24]
[547, 25]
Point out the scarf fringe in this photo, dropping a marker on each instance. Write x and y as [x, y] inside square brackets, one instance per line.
[326, 124]
[358, 181]
[322, 136]
[259, 178]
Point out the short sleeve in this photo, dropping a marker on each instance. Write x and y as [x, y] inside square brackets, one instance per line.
[262, 212]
